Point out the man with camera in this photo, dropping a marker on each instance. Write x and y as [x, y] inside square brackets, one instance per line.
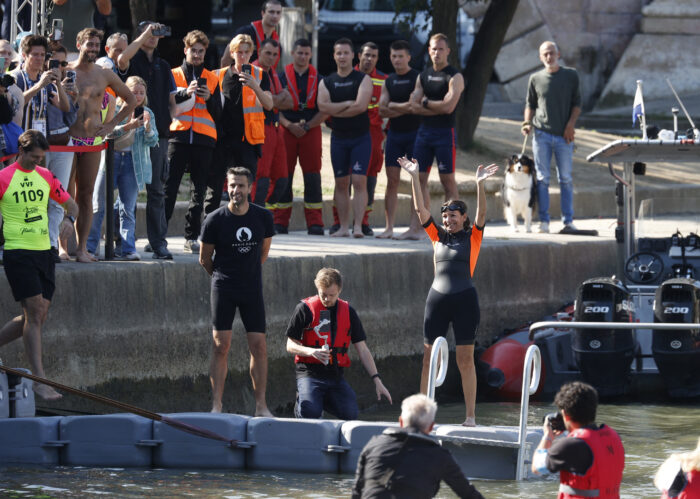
[590, 460]
[192, 133]
[264, 28]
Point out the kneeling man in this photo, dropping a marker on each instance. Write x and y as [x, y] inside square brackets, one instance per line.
[319, 334]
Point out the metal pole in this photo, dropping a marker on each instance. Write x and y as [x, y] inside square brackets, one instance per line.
[314, 33]
[627, 209]
[532, 370]
[436, 376]
[13, 20]
[109, 200]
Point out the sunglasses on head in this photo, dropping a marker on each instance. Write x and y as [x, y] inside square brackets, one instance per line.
[453, 207]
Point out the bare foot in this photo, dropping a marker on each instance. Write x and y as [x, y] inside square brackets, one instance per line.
[84, 257]
[470, 422]
[216, 408]
[387, 234]
[341, 233]
[64, 256]
[263, 412]
[46, 392]
[357, 232]
[410, 234]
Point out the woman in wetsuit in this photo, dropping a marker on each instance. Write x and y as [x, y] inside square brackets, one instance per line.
[452, 297]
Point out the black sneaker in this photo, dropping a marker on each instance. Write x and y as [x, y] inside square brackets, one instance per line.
[148, 248]
[315, 230]
[281, 229]
[367, 230]
[162, 254]
[334, 228]
[191, 246]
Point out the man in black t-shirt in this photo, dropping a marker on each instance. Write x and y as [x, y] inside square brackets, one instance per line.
[238, 237]
[319, 335]
[435, 98]
[264, 28]
[395, 104]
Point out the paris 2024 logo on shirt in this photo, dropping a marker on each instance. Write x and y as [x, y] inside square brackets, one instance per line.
[245, 243]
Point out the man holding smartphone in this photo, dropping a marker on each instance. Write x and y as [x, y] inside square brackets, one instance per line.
[192, 133]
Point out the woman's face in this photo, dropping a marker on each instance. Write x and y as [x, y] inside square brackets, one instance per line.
[453, 220]
[139, 92]
[6, 52]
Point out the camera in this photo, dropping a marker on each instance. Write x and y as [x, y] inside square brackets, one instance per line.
[7, 81]
[54, 64]
[162, 31]
[70, 74]
[57, 29]
[555, 421]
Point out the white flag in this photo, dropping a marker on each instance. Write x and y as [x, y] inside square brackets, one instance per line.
[638, 107]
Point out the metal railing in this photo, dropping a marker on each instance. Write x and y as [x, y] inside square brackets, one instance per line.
[436, 374]
[531, 380]
[662, 326]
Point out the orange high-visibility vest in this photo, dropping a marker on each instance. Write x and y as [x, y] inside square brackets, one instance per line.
[197, 118]
[253, 116]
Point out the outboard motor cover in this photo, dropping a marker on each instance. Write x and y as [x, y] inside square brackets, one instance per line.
[677, 352]
[604, 356]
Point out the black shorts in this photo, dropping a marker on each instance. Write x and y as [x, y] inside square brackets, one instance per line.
[30, 273]
[223, 309]
[461, 309]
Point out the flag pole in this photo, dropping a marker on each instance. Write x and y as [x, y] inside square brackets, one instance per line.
[643, 120]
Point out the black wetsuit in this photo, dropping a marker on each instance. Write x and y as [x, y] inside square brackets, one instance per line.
[452, 296]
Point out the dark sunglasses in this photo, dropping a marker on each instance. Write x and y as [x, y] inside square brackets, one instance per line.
[453, 207]
[63, 64]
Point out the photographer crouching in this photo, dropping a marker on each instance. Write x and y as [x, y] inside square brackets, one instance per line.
[591, 458]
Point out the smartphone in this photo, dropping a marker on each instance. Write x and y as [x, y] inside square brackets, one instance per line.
[162, 31]
[54, 64]
[70, 74]
[201, 82]
[138, 111]
[246, 68]
[57, 29]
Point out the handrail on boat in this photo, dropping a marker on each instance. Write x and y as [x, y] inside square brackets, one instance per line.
[436, 374]
[532, 370]
[662, 326]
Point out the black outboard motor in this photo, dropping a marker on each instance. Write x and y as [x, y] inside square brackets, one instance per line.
[604, 356]
[677, 352]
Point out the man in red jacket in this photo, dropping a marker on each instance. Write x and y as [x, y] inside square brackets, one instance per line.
[591, 458]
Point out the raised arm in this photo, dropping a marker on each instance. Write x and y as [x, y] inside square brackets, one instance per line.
[412, 168]
[131, 49]
[482, 173]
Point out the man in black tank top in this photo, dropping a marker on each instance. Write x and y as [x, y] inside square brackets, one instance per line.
[435, 98]
[344, 96]
[395, 104]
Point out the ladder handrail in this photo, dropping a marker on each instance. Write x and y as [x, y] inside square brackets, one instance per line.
[531, 381]
[436, 379]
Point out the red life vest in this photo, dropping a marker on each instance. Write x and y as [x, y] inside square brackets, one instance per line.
[691, 489]
[605, 474]
[339, 348]
[260, 36]
[311, 87]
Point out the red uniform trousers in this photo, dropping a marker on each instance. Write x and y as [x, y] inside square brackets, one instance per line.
[308, 149]
[376, 161]
[271, 177]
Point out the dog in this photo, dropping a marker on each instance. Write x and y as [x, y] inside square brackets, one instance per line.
[519, 191]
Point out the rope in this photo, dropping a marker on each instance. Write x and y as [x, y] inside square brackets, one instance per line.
[194, 430]
[100, 147]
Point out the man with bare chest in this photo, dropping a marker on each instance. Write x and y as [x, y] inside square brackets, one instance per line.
[88, 129]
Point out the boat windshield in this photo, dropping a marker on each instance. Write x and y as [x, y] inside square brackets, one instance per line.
[662, 217]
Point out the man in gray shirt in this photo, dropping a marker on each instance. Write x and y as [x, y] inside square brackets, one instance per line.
[553, 105]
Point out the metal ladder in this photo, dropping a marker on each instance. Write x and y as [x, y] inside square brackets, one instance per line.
[532, 370]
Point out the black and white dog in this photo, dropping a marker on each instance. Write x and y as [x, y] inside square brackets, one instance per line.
[519, 191]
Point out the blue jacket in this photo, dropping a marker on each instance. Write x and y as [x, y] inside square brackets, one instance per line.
[140, 150]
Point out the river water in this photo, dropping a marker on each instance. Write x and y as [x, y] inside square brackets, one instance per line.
[649, 433]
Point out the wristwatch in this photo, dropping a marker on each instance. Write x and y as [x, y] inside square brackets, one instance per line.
[71, 218]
